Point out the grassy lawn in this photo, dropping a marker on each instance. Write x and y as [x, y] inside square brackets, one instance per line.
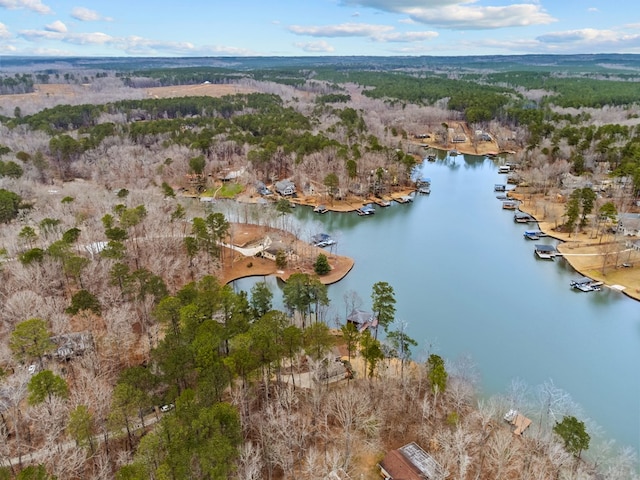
[227, 190]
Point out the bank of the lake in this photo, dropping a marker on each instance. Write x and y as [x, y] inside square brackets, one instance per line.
[468, 284]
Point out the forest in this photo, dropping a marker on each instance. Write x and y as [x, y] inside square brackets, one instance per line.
[122, 355]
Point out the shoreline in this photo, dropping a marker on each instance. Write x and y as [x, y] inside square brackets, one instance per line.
[584, 254]
[237, 265]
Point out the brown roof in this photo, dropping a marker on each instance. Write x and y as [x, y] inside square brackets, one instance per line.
[411, 463]
[398, 468]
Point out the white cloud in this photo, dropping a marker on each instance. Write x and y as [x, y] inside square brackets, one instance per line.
[315, 47]
[4, 31]
[33, 5]
[86, 15]
[592, 9]
[462, 14]
[131, 45]
[56, 26]
[342, 30]
[92, 38]
[591, 37]
[406, 36]
[379, 33]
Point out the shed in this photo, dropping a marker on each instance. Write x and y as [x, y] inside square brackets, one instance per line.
[411, 462]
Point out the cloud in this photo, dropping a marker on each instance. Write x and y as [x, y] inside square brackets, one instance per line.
[56, 26]
[406, 36]
[4, 31]
[342, 30]
[92, 38]
[315, 47]
[86, 15]
[378, 33]
[132, 45]
[33, 5]
[592, 9]
[592, 37]
[462, 14]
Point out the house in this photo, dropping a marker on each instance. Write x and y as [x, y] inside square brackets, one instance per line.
[230, 175]
[362, 320]
[629, 224]
[410, 462]
[285, 188]
[72, 344]
[276, 246]
[262, 189]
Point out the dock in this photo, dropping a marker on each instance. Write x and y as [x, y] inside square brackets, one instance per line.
[546, 252]
[366, 210]
[586, 284]
[404, 199]
[521, 217]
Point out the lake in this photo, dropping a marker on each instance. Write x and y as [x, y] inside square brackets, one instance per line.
[467, 283]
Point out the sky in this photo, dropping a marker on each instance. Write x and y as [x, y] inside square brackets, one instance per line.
[118, 28]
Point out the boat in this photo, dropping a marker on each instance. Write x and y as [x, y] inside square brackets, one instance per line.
[425, 189]
[366, 210]
[509, 204]
[504, 169]
[586, 284]
[431, 158]
[499, 187]
[320, 209]
[454, 153]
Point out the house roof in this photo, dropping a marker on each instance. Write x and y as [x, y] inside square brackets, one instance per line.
[545, 248]
[359, 316]
[282, 184]
[411, 462]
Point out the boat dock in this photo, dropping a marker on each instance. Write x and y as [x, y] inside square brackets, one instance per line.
[546, 252]
[586, 284]
[366, 210]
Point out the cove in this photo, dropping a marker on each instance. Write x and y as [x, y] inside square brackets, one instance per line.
[468, 284]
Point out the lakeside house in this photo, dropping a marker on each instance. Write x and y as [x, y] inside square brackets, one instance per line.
[362, 319]
[286, 188]
[629, 224]
[410, 462]
[276, 246]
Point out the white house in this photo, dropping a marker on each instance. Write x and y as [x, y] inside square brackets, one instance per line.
[285, 188]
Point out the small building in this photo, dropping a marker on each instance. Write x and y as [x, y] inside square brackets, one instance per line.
[410, 462]
[69, 345]
[285, 188]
